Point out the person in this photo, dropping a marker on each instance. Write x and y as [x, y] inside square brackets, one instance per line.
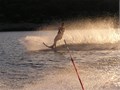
[59, 35]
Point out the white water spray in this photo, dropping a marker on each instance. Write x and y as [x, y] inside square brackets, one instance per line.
[88, 31]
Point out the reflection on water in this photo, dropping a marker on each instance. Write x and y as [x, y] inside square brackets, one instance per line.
[49, 70]
[26, 64]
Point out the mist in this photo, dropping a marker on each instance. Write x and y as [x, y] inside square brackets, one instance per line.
[102, 31]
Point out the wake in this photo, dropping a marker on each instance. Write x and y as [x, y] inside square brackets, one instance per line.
[97, 34]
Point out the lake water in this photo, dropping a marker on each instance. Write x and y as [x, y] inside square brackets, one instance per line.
[26, 64]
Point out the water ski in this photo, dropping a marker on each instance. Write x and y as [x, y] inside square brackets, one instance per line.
[47, 45]
[50, 47]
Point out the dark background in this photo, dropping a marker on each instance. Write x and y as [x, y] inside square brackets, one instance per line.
[41, 11]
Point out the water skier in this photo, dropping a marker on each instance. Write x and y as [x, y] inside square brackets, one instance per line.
[58, 37]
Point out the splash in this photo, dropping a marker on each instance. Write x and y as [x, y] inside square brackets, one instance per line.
[86, 31]
[99, 30]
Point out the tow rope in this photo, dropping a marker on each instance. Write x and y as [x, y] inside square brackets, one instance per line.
[74, 65]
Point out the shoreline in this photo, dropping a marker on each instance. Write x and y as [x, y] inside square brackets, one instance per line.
[7, 27]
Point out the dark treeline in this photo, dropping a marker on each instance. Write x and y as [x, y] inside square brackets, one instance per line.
[39, 11]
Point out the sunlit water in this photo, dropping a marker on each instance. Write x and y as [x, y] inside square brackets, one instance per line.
[26, 64]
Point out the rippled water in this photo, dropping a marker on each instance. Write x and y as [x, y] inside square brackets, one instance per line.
[26, 64]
